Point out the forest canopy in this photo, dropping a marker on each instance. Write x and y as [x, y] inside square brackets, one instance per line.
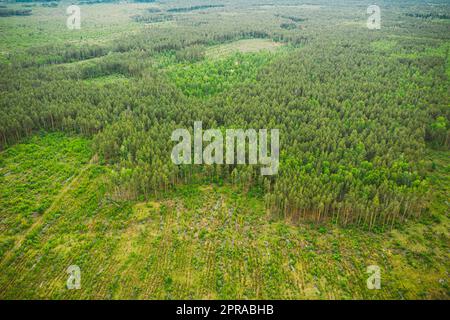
[355, 112]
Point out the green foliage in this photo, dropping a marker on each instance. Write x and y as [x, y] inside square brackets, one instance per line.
[288, 26]
[190, 54]
[351, 136]
[356, 110]
[439, 131]
[206, 241]
[210, 77]
[32, 174]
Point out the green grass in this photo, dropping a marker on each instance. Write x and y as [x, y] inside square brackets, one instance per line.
[210, 241]
[223, 67]
[384, 45]
[243, 46]
[32, 174]
[212, 76]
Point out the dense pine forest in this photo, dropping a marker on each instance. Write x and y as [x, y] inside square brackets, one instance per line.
[86, 176]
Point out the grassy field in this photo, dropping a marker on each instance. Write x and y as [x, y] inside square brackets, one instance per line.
[244, 46]
[28, 185]
[201, 241]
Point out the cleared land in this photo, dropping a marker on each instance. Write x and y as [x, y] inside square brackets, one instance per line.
[244, 46]
[207, 241]
[100, 23]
